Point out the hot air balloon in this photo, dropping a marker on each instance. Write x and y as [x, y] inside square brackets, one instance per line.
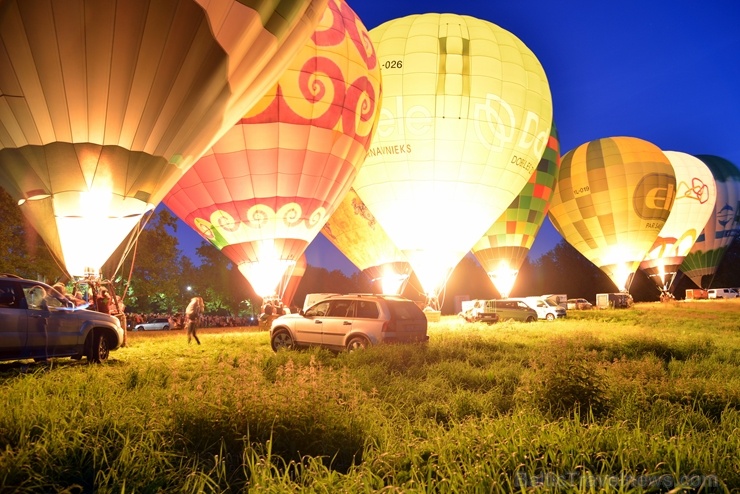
[265, 189]
[465, 119]
[505, 245]
[723, 224]
[106, 103]
[355, 232]
[612, 198]
[696, 194]
[292, 280]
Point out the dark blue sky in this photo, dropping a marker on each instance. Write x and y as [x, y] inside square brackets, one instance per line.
[667, 71]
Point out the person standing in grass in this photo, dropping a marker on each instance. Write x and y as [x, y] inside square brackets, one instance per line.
[192, 315]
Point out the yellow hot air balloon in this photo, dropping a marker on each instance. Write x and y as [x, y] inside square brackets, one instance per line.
[104, 104]
[612, 198]
[357, 234]
[696, 194]
[465, 118]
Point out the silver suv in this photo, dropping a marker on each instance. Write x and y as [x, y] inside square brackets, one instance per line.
[37, 322]
[351, 322]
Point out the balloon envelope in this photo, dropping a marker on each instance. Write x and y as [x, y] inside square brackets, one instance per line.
[723, 225]
[266, 188]
[502, 250]
[106, 103]
[696, 194]
[465, 118]
[292, 279]
[612, 198]
[355, 232]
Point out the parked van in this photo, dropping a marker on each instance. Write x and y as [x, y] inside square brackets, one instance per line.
[546, 309]
[722, 293]
[509, 309]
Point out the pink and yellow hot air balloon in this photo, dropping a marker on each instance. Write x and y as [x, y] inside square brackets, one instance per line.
[696, 194]
[505, 245]
[265, 190]
[357, 234]
[106, 103]
[612, 198]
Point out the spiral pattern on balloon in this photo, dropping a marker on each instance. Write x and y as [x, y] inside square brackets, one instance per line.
[290, 214]
[316, 217]
[259, 215]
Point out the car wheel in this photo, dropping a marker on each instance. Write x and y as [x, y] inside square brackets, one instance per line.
[530, 319]
[281, 339]
[138, 328]
[550, 317]
[99, 350]
[357, 343]
[166, 328]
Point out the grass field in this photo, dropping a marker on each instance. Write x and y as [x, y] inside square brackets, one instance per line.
[639, 400]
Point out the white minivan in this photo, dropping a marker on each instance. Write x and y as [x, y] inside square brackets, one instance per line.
[546, 309]
[722, 293]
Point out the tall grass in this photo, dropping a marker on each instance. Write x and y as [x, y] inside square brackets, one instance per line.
[643, 400]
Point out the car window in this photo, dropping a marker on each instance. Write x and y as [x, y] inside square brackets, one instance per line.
[367, 309]
[7, 296]
[340, 308]
[37, 298]
[404, 310]
[320, 309]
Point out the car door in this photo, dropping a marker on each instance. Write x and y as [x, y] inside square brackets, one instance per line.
[13, 322]
[308, 328]
[338, 323]
[52, 328]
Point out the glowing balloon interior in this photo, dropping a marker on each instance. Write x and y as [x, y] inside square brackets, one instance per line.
[356, 233]
[502, 250]
[263, 192]
[465, 118]
[696, 194]
[108, 102]
[612, 198]
[722, 227]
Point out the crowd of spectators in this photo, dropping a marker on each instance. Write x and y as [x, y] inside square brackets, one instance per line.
[177, 321]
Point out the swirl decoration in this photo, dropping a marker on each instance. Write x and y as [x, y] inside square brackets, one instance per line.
[289, 215]
[259, 215]
[223, 229]
[316, 218]
[327, 93]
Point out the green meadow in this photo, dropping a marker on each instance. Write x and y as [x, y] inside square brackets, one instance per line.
[639, 400]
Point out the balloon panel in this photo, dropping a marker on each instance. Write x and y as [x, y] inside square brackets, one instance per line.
[465, 118]
[122, 104]
[355, 232]
[512, 235]
[696, 194]
[293, 280]
[723, 225]
[612, 198]
[267, 187]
